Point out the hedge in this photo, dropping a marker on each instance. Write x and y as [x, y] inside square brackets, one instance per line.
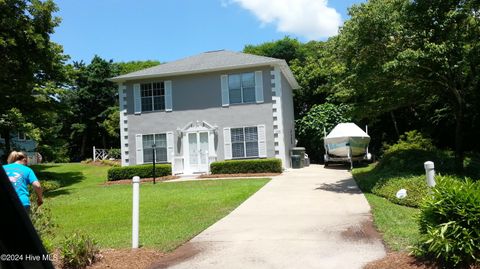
[247, 166]
[143, 171]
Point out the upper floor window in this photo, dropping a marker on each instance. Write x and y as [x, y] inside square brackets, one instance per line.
[241, 88]
[153, 96]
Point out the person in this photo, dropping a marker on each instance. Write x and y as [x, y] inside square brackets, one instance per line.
[21, 176]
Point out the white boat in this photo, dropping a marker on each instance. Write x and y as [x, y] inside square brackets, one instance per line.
[346, 142]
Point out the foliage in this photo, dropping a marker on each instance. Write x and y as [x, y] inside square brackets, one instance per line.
[449, 223]
[88, 101]
[143, 171]
[115, 153]
[310, 128]
[78, 251]
[32, 65]
[41, 218]
[132, 66]
[50, 185]
[286, 48]
[414, 57]
[416, 187]
[411, 151]
[247, 166]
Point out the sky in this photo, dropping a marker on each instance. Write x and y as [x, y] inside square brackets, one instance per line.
[168, 30]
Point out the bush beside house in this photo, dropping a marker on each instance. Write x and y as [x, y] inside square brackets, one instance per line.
[143, 171]
[247, 166]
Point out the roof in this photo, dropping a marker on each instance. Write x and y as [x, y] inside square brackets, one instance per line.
[208, 62]
[347, 130]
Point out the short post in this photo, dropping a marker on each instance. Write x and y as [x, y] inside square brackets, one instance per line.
[154, 147]
[136, 211]
[430, 173]
[94, 157]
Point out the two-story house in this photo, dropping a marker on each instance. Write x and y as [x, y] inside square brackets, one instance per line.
[217, 105]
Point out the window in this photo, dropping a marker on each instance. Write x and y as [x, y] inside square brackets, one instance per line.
[160, 142]
[22, 136]
[241, 88]
[244, 142]
[153, 96]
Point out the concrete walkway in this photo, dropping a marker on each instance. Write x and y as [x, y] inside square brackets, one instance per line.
[307, 218]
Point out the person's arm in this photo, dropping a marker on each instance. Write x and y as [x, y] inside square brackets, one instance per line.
[38, 189]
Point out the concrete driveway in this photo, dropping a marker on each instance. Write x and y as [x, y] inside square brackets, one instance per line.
[307, 218]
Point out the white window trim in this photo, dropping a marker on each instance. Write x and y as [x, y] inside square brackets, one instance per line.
[24, 136]
[153, 97]
[166, 147]
[244, 144]
[241, 88]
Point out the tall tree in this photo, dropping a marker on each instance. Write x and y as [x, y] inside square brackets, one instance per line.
[415, 55]
[29, 62]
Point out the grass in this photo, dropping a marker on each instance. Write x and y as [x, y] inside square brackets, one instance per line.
[170, 213]
[397, 223]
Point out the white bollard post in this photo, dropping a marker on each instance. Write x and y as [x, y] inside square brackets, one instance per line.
[430, 173]
[135, 213]
[94, 155]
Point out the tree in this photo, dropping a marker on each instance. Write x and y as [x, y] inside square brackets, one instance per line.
[286, 48]
[419, 57]
[30, 61]
[89, 99]
[310, 128]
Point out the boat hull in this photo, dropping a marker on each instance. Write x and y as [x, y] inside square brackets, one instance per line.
[340, 146]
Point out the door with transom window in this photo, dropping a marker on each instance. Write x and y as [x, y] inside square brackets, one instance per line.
[198, 151]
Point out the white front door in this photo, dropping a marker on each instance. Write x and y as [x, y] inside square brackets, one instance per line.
[198, 152]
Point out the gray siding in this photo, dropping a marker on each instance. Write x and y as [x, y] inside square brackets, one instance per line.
[288, 119]
[198, 98]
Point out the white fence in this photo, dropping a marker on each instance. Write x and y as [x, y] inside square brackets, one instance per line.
[99, 154]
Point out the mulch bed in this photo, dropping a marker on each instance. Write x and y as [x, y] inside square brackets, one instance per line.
[142, 180]
[143, 257]
[240, 175]
[396, 260]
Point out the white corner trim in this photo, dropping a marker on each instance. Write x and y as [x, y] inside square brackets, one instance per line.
[122, 94]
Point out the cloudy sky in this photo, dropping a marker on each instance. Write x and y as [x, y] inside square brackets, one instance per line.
[167, 30]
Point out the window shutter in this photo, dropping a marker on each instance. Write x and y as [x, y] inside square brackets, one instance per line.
[137, 99]
[168, 95]
[227, 143]
[139, 146]
[225, 93]
[262, 143]
[170, 147]
[259, 86]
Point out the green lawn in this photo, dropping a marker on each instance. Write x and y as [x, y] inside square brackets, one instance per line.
[170, 213]
[397, 223]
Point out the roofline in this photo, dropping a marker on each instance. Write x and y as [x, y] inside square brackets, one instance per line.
[281, 63]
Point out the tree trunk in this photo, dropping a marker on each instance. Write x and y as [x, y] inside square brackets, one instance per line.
[459, 153]
[83, 147]
[395, 125]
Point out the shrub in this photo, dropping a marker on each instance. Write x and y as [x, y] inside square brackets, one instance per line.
[114, 153]
[41, 218]
[450, 223]
[143, 171]
[409, 154]
[50, 185]
[416, 188]
[78, 251]
[247, 166]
